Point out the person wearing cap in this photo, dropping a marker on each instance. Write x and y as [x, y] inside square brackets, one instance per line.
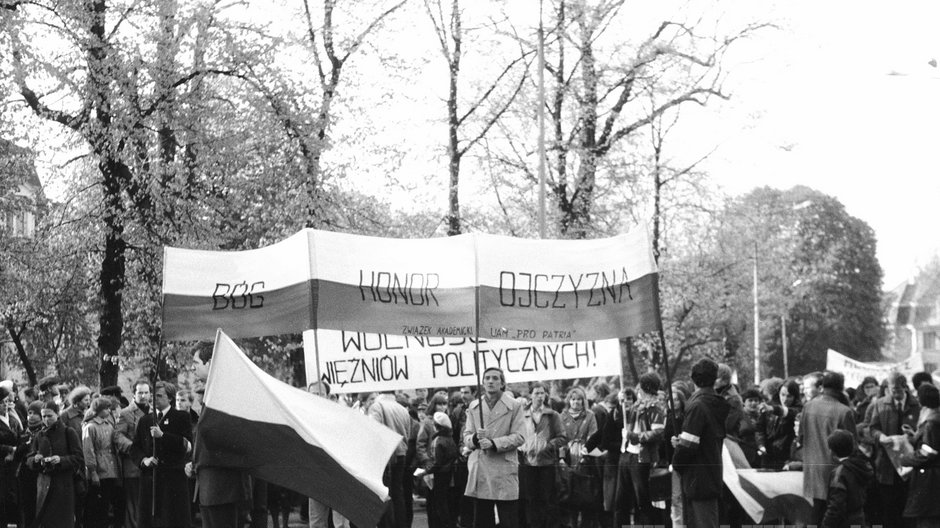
[11, 433]
[443, 455]
[101, 463]
[492, 435]
[47, 388]
[79, 401]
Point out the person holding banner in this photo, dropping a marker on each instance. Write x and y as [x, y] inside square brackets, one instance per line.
[491, 437]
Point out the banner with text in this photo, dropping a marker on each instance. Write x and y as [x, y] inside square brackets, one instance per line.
[855, 371]
[363, 362]
[520, 290]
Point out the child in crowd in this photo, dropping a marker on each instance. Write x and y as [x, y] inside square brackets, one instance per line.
[848, 484]
[443, 451]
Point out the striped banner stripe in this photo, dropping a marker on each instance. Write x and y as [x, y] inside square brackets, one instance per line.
[529, 290]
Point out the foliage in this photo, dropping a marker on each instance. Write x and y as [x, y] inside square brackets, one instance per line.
[816, 267]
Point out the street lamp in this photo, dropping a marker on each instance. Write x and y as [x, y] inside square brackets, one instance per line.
[796, 207]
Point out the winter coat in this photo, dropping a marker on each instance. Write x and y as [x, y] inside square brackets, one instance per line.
[649, 418]
[886, 419]
[547, 438]
[73, 417]
[172, 486]
[847, 487]
[698, 455]
[925, 479]
[426, 432]
[821, 416]
[776, 432]
[125, 431]
[58, 508]
[493, 474]
[98, 447]
[577, 430]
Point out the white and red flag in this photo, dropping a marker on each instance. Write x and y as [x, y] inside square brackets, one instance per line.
[289, 437]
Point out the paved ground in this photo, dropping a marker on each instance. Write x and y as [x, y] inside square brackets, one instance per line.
[420, 519]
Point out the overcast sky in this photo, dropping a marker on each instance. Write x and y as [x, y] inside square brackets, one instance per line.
[843, 99]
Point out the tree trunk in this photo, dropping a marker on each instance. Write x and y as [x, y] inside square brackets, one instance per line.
[112, 275]
[453, 154]
[16, 338]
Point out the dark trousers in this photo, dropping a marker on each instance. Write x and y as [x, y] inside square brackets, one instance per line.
[394, 516]
[639, 475]
[819, 511]
[439, 512]
[484, 517]
[219, 515]
[464, 503]
[891, 501]
[539, 496]
[701, 513]
[625, 497]
[101, 499]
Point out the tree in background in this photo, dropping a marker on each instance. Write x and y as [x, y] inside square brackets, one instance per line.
[816, 267]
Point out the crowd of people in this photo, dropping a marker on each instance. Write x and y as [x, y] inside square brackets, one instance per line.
[593, 457]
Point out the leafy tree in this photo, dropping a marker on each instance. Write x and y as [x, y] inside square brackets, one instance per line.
[816, 266]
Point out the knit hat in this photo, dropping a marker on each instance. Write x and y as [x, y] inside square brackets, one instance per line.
[442, 420]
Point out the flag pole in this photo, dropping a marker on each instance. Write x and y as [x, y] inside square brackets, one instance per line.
[316, 355]
[541, 117]
[153, 443]
[476, 327]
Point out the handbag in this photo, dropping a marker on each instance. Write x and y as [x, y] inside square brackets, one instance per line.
[660, 486]
[581, 486]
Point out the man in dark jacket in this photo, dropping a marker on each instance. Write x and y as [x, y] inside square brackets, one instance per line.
[888, 417]
[698, 448]
[848, 483]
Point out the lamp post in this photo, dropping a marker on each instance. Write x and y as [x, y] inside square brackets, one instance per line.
[802, 205]
[756, 322]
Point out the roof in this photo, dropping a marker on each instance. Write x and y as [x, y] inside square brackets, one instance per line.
[21, 161]
[917, 300]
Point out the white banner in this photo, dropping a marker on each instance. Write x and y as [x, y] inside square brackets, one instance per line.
[855, 371]
[363, 362]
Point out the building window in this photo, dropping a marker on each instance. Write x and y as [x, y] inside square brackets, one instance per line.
[930, 340]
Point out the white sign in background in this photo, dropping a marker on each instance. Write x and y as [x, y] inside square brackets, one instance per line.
[362, 362]
[855, 371]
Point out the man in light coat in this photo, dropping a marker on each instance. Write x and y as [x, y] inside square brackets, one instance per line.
[492, 436]
[124, 433]
[822, 415]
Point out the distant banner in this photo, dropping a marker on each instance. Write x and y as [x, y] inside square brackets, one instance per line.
[521, 290]
[855, 371]
[361, 362]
